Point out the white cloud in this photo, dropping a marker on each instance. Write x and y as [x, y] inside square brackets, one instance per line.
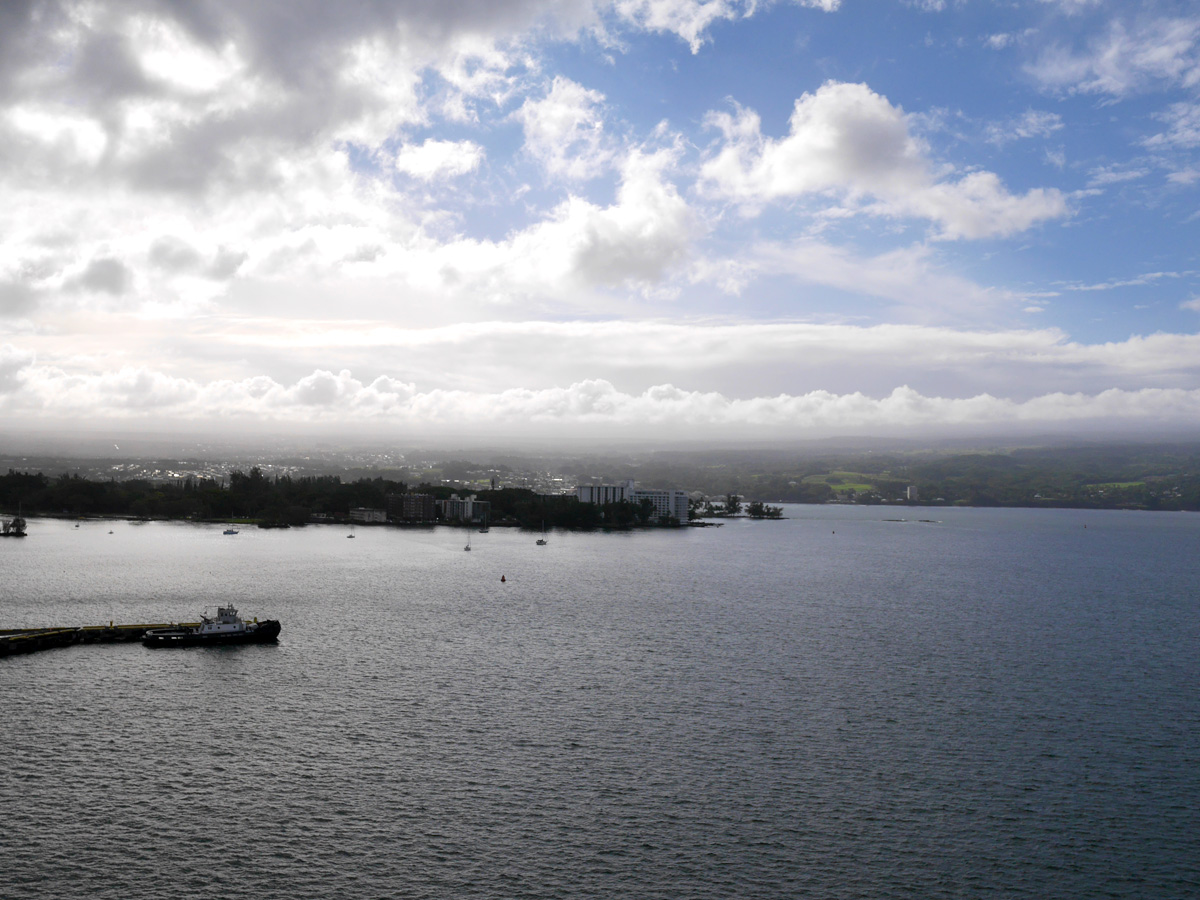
[565, 130]
[12, 363]
[439, 159]
[181, 99]
[1032, 123]
[909, 276]
[845, 138]
[1151, 54]
[1193, 304]
[109, 276]
[1183, 121]
[78, 243]
[635, 240]
[16, 299]
[174, 254]
[1105, 175]
[1184, 176]
[1071, 7]
[1137, 281]
[69, 136]
[689, 19]
[692, 19]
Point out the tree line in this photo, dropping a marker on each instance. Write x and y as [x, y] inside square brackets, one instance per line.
[248, 496]
[284, 500]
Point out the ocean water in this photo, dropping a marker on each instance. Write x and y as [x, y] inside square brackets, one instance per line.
[998, 703]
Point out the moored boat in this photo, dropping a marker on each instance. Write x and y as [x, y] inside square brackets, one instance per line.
[227, 627]
[14, 527]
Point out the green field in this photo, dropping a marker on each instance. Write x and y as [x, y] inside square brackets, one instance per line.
[841, 482]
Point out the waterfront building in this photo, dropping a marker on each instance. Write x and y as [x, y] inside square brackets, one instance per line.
[602, 494]
[363, 514]
[667, 503]
[464, 509]
[411, 508]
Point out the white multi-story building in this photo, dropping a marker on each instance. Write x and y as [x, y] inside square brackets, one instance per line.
[601, 494]
[464, 509]
[667, 503]
[362, 514]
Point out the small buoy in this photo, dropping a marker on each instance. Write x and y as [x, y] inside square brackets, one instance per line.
[502, 578]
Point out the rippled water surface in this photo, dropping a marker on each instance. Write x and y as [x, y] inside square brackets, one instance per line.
[1002, 703]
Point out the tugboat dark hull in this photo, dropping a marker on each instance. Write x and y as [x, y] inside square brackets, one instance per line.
[262, 633]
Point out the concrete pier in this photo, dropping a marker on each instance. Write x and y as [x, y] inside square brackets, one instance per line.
[30, 640]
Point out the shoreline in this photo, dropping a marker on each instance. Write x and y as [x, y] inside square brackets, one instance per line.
[704, 522]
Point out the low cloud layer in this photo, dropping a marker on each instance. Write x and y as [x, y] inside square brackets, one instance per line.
[869, 396]
[661, 413]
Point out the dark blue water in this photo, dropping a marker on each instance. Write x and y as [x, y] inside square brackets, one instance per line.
[999, 704]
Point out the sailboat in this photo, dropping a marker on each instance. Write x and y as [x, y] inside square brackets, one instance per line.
[541, 542]
[351, 534]
[468, 547]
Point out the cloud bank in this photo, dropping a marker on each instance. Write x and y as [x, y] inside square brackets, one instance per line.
[661, 413]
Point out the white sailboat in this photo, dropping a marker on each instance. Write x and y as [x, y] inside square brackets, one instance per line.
[541, 542]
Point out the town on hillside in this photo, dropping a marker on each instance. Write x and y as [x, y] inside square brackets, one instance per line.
[610, 490]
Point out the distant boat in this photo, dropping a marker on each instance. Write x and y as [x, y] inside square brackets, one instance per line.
[542, 542]
[351, 534]
[230, 531]
[468, 547]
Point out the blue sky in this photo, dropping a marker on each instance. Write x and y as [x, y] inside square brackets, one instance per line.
[554, 219]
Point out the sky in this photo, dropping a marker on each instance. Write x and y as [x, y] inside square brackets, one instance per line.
[631, 220]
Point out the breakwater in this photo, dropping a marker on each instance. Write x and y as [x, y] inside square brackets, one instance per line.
[30, 640]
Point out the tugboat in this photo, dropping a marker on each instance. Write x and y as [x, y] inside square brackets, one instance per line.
[227, 628]
[13, 527]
